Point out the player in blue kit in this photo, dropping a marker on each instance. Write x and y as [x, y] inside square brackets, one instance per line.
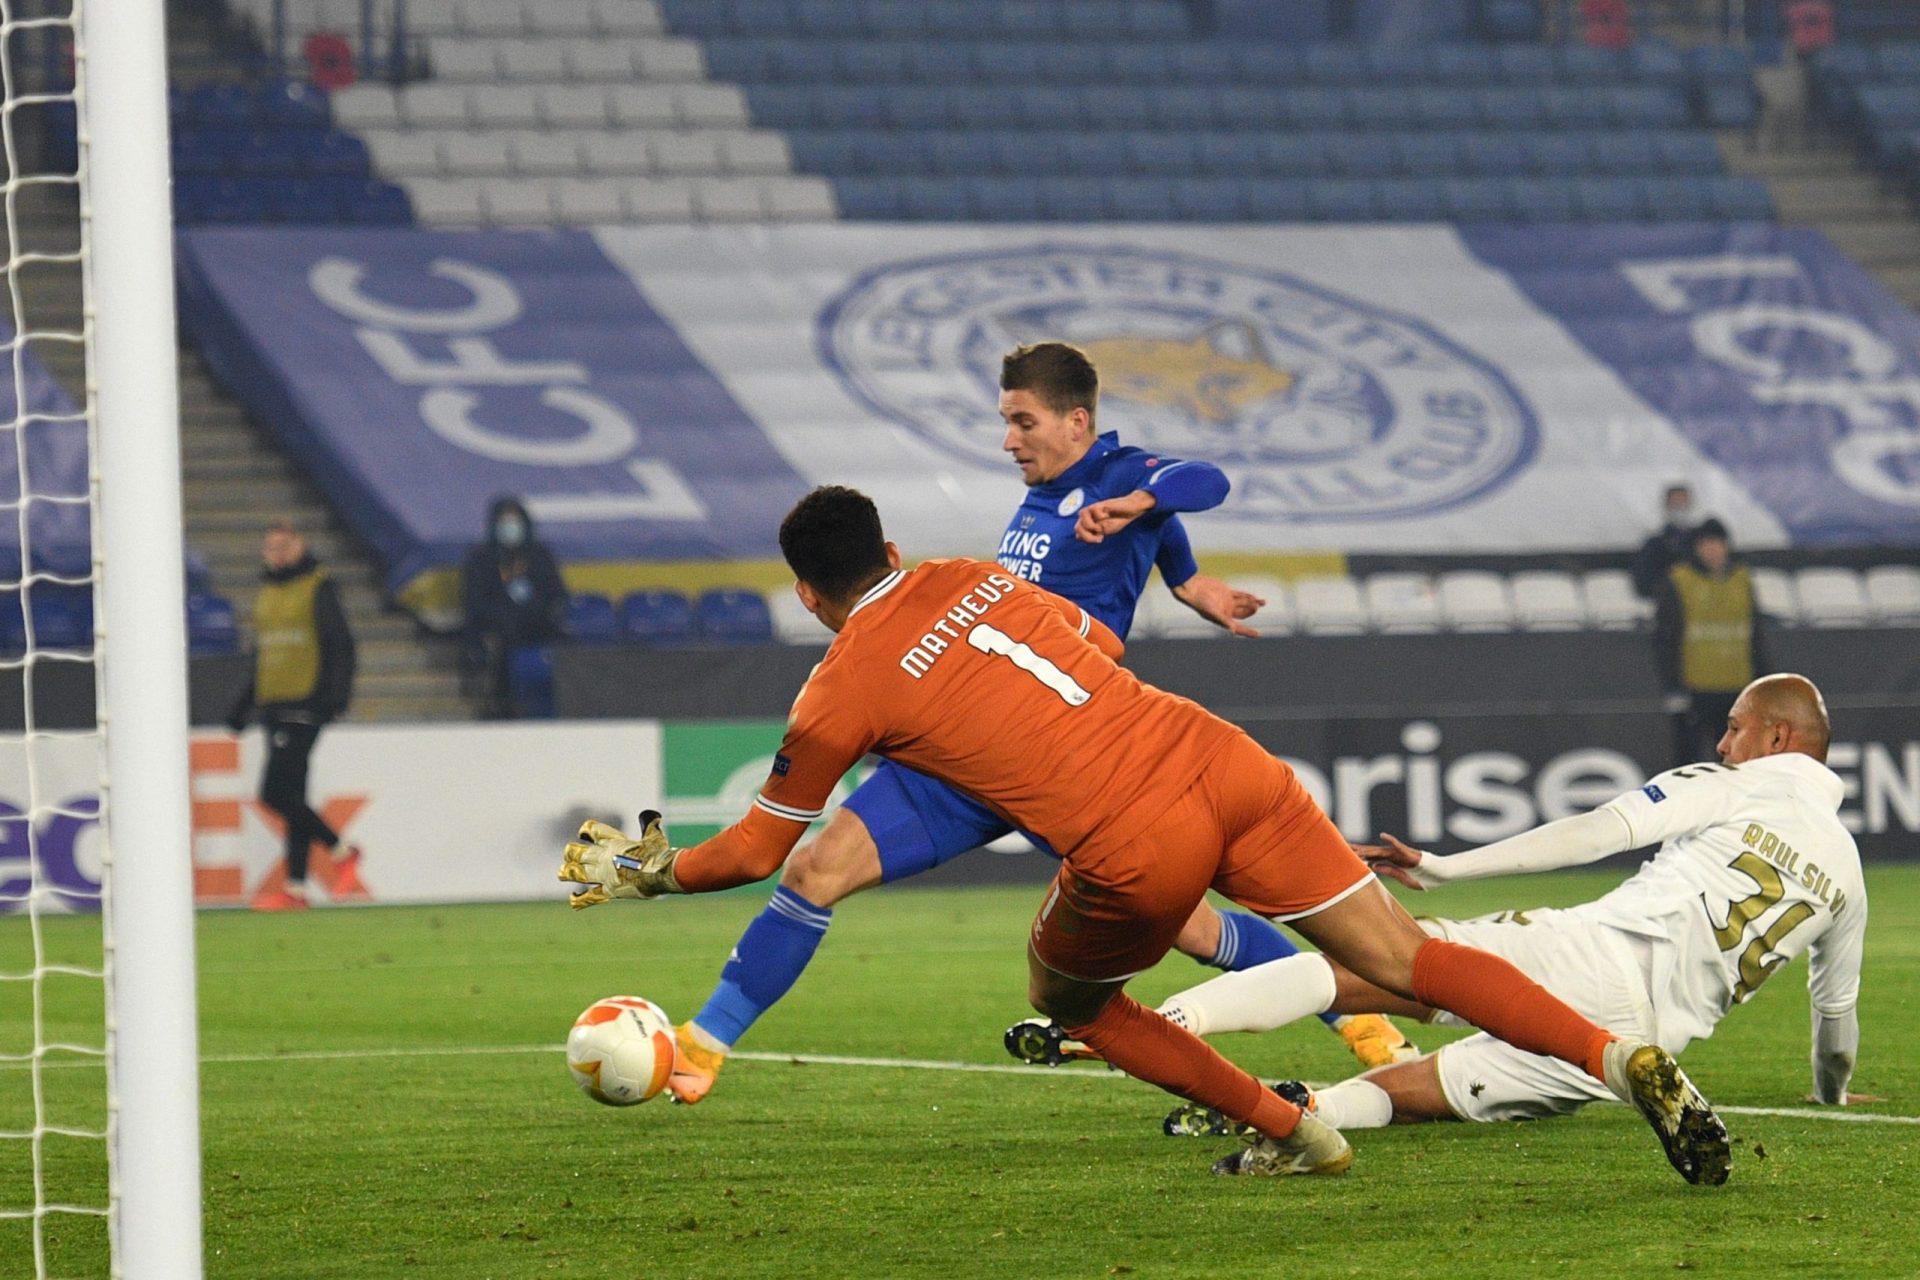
[1098, 516]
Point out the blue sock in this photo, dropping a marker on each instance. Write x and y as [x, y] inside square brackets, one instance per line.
[765, 964]
[1246, 941]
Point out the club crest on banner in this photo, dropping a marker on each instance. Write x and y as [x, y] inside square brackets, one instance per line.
[1320, 406]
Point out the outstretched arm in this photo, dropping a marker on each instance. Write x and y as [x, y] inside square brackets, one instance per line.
[1570, 842]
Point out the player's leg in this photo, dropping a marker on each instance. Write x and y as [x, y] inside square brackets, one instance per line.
[896, 824]
[283, 789]
[1280, 992]
[1104, 922]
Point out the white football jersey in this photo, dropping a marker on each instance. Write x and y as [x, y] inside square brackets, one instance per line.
[1754, 867]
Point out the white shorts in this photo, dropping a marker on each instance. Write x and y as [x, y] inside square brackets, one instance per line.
[1600, 971]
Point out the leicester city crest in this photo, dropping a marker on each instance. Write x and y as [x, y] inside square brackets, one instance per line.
[1320, 407]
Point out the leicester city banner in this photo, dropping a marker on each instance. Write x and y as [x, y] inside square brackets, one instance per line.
[665, 394]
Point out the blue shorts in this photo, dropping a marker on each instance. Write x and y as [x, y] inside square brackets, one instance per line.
[918, 823]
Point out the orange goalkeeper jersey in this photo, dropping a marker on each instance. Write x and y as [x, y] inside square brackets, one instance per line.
[1005, 691]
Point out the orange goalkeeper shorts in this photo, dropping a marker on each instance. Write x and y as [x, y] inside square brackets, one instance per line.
[1245, 827]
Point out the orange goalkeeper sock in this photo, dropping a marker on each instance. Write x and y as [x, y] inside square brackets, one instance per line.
[1502, 1001]
[1148, 1047]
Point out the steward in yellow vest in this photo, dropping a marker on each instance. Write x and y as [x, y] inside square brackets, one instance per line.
[1707, 640]
[302, 679]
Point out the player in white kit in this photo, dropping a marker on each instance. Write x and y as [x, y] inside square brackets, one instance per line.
[1754, 867]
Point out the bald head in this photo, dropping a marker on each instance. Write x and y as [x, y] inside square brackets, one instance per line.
[1777, 714]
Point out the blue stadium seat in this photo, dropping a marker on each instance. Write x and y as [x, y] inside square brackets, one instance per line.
[1541, 200]
[1382, 109]
[1474, 200]
[1446, 108]
[1014, 151]
[1493, 155]
[332, 152]
[1234, 154]
[1207, 200]
[1410, 200]
[741, 61]
[1646, 107]
[1143, 64]
[867, 199]
[1185, 108]
[730, 616]
[1078, 64]
[1202, 63]
[268, 154]
[1727, 104]
[1626, 152]
[1557, 154]
[303, 202]
[1291, 155]
[1161, 153]
[379, 204]
[802, 62]
[1333, 64]
[197, 572]
[1362, 155]
[781, 106]
[1141, 200]
[1272, 65]
[1091, 19]
[1511, 108]
[293, 105]
[923, 106]
[1428, 155]
[1526, 64]
[1579, 107]
[694, 17]
[1585, 64]
[933, 64]
[1275, 199]
[898, 18]
[1608, 200]
[827, 151]
[1000, 62]
[1726, 62]
[62, 616]
[934, 199]
[1051, 107]
[962, 151]
[228, 106]
[1157, 22]
[1468, 65]
[591, 620]
[1004, 199]
[1342, 200]
[1655, 62]
[1395, 63]
[1677, 199]
[1688, 151]
[829, 17]
[865, 62]
[1510, 19]
[13, 624]
[1302, 108]
[530, 681]
[230, 200]
[1740, 199]
[198, 155]
[211, 627]
[1898, 61]
[974, 107]
[1090, 155]
[1073, 199]
[762, 17]
[1117, 107]
[657, 616]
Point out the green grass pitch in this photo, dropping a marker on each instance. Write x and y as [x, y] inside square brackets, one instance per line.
[383, 1094]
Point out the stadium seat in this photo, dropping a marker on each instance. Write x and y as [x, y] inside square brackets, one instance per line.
[1893, 592]
[1740, 199]
[1135, 200]
[1774, 594]
[791, 621]
[1403, 603]
[1624, 153]
[211, 627]
[1547, 601]
[590, 620]
[1541, 200]
[1611, 602]
[1832, 597]
[530, 681]
[1342, 200]
[729, 616]
[1608, 200]
[1409, 200]
[1276, 617]
[1472, 600]
[656, 617]
[1275, 200]
[1474, 200]
[1677, 199]
[62, 616]
[1362, 155]
[1428, 155]
[1330, 606]
[1160, 615]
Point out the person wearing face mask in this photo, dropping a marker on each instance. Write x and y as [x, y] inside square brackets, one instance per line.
[1670, 544]
[511, 595]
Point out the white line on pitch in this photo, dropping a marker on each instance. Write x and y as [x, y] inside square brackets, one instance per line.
[842, 1060]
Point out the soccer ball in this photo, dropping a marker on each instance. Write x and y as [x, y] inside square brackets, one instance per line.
[620, 1050]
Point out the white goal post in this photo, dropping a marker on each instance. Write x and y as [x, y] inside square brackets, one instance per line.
[126, 230]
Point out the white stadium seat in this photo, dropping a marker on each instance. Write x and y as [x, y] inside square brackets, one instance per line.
[791, 621]
[1403, 602]
[517, 202]
[547, 155]
[669, 59]
[560, 17]
[642, 106]
[711, 104]
[1774, 593]
[1611, 602]
[1894, 592]
[404, 155]
[1832, 598]
[588, 201]
[494, 17]
[426, 17]
[1473, 600]
[366, 106]
[535, 61]
[691, 151]
[446, 202]
[607, 61]
[617, 154]
[1276, 616]
[434, 106]
[504, 106]
[1173, 619]
[729, 200]
[754, 151]
[475, 155]
[1330, 606]
[627, 17]
[800, 199]
[1544, 600]
[575, 107]
[463, 61]
[658, 199]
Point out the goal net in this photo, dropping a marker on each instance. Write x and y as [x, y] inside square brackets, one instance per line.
[99, 1157]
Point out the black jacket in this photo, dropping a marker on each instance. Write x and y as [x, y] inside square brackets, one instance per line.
[488, 608]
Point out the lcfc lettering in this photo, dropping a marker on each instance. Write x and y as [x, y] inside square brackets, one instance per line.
[965, 612]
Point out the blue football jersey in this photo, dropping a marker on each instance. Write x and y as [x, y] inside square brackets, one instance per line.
[1106, 578]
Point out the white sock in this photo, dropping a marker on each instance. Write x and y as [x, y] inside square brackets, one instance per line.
[1354, 1104]
[1257, 999]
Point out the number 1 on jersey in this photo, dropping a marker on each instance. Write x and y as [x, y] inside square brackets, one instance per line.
[990, 639]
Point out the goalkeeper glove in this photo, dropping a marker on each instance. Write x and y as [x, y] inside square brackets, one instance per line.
[614, 865]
